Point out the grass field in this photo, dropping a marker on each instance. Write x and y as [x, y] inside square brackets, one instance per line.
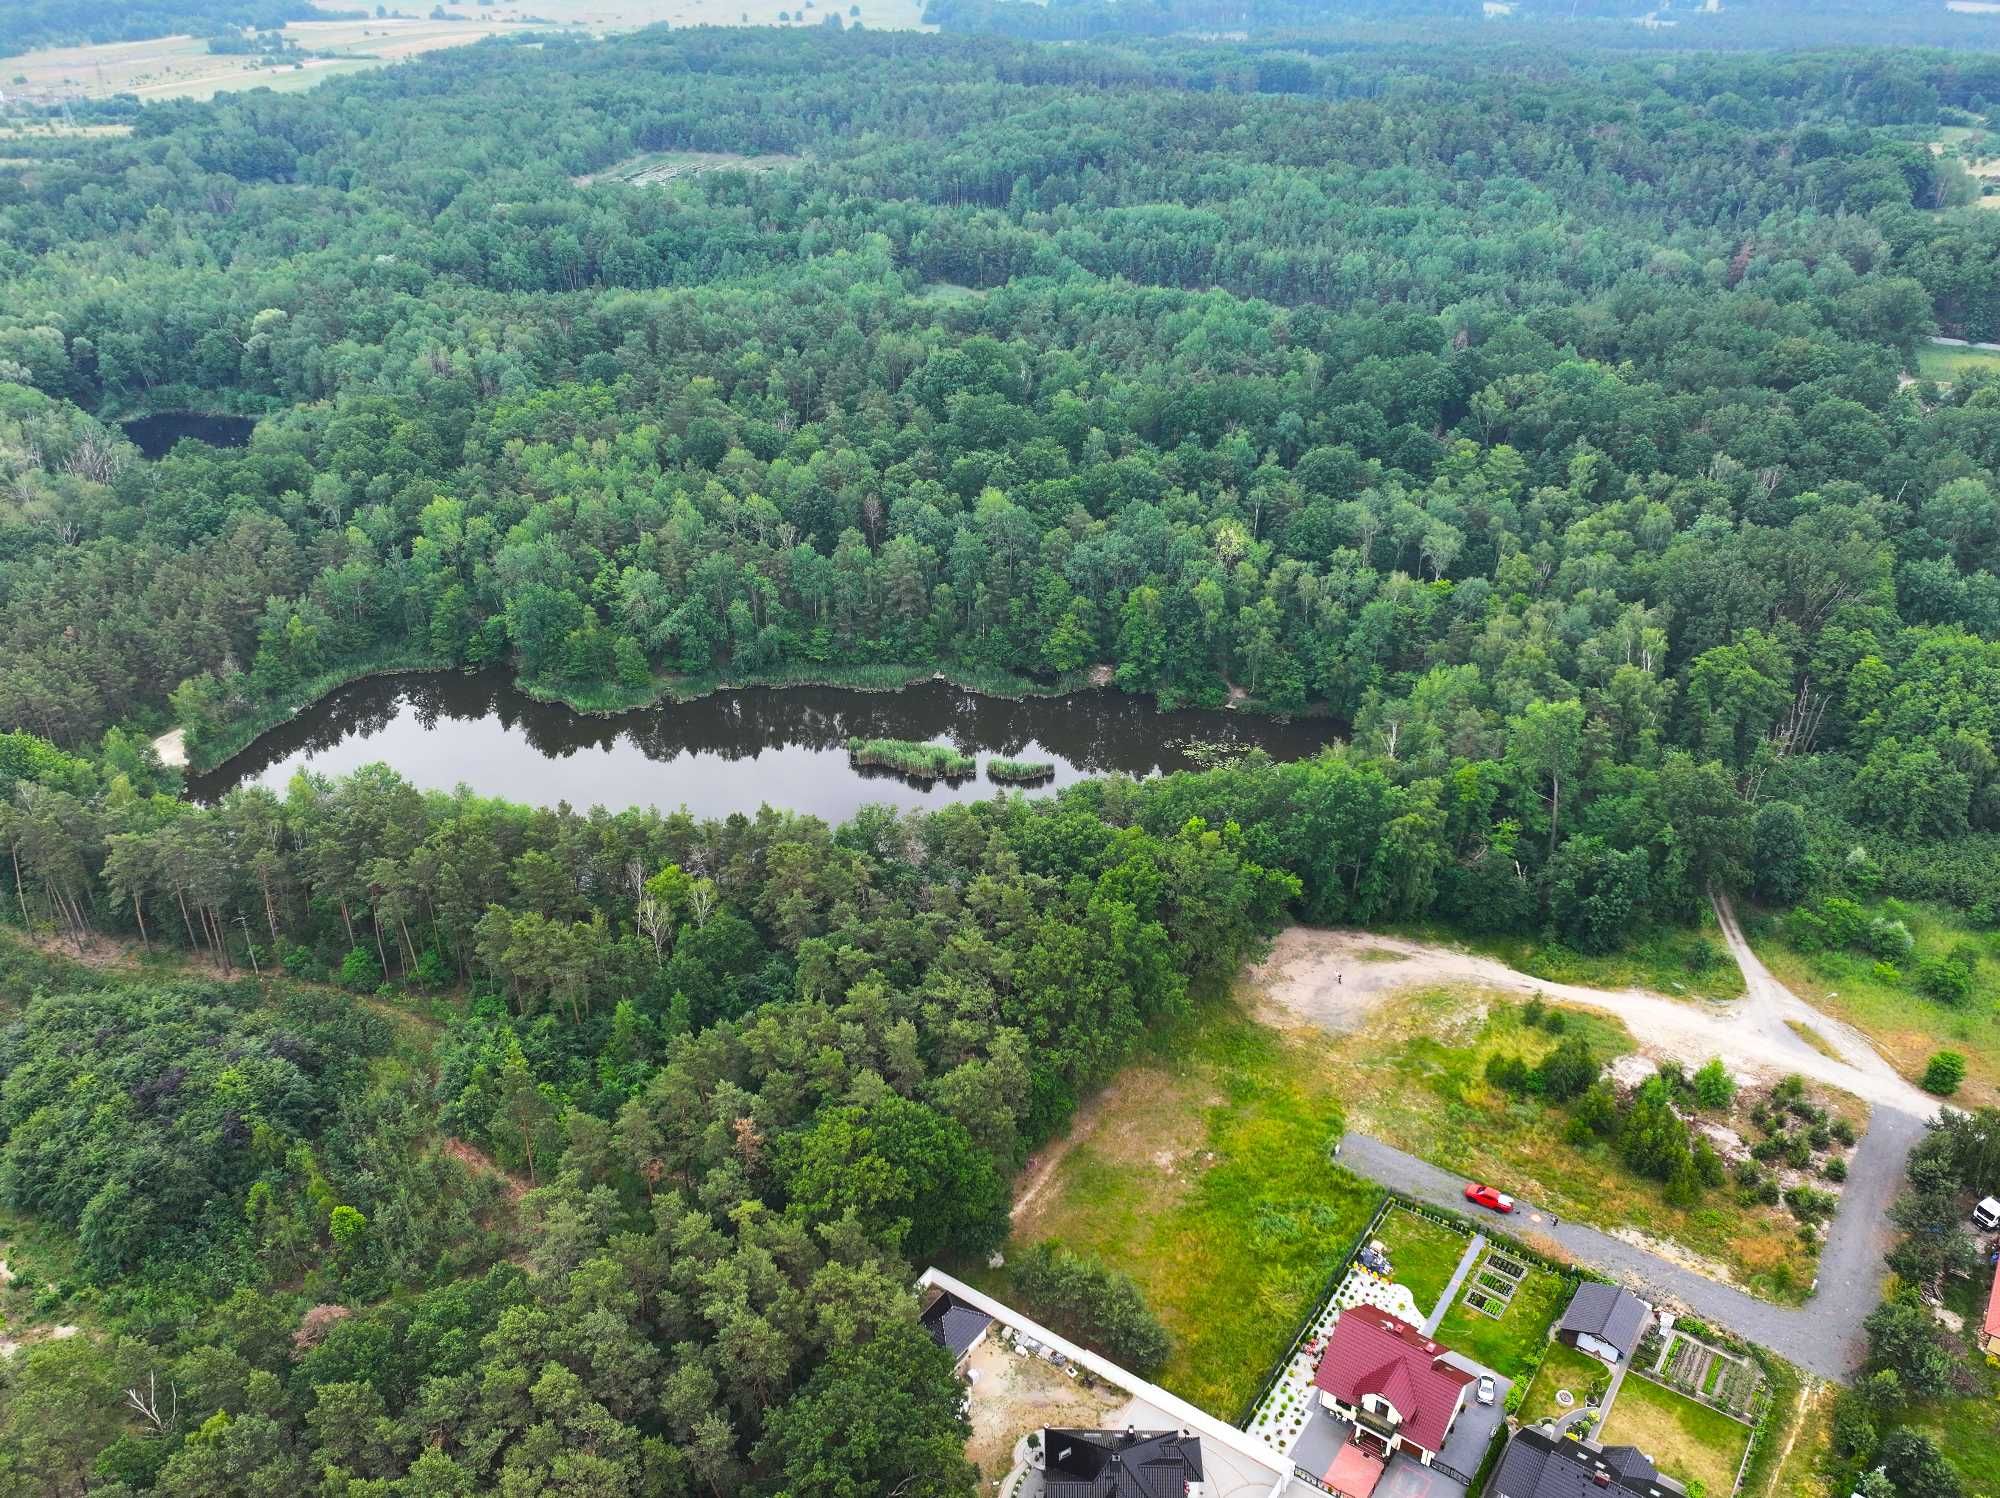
[1563, 1368]
[1945, 363]
[1687, 1440]
[1416, 1078]
[1807, 1446]
[1203, 1173]
[182, 67]
[1684, 964]
[1513, 1342]
[1423, 1254]
[1905, 1025]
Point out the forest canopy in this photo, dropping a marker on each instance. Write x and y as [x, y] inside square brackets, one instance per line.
[1556, 424]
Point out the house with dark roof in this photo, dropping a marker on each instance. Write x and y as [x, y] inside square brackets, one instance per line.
[1120, 1463]
[955, 1326]
[1392, 1382]
[1541, 1464]
[1606, 1321]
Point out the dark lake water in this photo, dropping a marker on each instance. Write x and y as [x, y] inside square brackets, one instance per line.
[157, 434]
[729, 752]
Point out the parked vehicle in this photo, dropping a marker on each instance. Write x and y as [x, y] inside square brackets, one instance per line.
[1487, 1389]
[1486, 1196]
[1986, 1216]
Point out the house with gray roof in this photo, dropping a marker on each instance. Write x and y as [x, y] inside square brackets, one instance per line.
[955, 1326]
[1540, 1464]
[1121, 1463]
[1606, 1321]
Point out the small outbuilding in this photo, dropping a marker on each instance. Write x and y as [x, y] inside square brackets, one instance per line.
[955, 1326]
[1606, 1321]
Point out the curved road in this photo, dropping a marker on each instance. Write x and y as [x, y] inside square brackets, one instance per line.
[1823, 1336]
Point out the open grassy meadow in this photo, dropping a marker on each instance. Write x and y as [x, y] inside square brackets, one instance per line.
[1946, 362]
[1203, 1173]
[1682, 963]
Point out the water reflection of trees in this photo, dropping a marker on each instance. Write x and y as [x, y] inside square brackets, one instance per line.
[1089, 731]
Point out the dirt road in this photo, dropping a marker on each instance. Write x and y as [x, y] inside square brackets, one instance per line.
[1337, 979]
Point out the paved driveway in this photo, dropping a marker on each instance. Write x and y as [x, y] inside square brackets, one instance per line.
[1824, 1336]
[1406, 1477]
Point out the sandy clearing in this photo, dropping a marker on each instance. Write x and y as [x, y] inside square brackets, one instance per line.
[1336, 979]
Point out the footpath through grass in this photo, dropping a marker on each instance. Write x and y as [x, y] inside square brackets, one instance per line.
[1203, 1173]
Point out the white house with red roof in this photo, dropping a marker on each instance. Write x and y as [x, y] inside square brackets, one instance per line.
[1392, 1382]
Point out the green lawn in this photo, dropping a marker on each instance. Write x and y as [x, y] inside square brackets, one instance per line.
[1513, 1343]
[1688, 1440]
[1563, 1368]
[1423, 1254]
[1203, 1173]
[1907, 1026]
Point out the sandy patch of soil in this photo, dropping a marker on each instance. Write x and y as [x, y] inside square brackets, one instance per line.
[1012, 1395]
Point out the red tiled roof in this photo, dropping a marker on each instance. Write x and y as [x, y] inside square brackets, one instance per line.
[1372, 1352]
[1993, 1306]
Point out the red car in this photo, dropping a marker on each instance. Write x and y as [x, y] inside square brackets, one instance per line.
[1486, 1196]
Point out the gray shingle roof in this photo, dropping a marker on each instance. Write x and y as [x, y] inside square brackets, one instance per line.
[1541, 1466]
[1119, 1464]
[954, 1325]
[1610, 1312]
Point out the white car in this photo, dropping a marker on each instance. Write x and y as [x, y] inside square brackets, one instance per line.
[1487, 1389]
[1986, 1216]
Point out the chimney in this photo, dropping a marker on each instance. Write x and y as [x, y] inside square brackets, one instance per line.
[1601, 1477]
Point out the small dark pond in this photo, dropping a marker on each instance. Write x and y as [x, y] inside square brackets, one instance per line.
[157, 434]
[729, 752]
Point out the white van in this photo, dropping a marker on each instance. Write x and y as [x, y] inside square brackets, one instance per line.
[1986, 1216]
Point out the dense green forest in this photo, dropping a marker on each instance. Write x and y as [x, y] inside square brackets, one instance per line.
[1546, 419]
[1659, 25]
[53, 23]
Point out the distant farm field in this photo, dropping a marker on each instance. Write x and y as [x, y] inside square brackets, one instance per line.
[625, 15]
[182, 67]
